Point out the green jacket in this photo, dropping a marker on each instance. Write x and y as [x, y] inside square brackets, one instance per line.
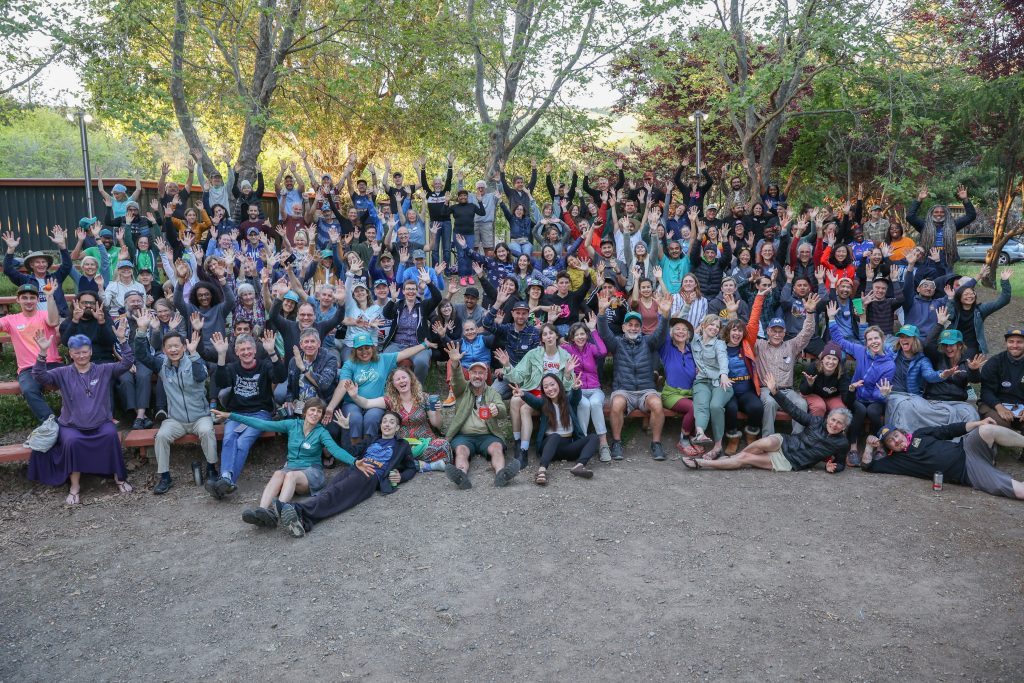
[303, 449]
[530, 370]
[465, 404]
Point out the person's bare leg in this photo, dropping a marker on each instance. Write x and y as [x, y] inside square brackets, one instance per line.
[525, 422]
[462, 458]
[657, 417]
[497, 454]
[76, 482]
[293, 481]
[1001, 436]
[514, 406]
[272, 488]
[739, 461]
[616, 416]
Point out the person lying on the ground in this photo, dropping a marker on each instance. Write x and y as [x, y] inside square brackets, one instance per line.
[822, 440]
[930, 450]
[303, 472]
[386, 463]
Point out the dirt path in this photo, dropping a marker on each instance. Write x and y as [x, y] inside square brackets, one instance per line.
[646, 571]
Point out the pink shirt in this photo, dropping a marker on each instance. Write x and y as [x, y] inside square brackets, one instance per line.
[22, 327]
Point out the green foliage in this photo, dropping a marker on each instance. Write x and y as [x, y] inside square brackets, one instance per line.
[41, 143]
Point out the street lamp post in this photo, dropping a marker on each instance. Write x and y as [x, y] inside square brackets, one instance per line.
[83, 119]
[698, 117]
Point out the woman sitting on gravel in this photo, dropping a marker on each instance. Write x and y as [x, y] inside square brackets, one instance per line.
[303, 473]
[559, 434]
[88, 441]
[386, 463]
[404, 395]
[822, 440]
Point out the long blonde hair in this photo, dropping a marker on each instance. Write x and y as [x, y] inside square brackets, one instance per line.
[391, 396]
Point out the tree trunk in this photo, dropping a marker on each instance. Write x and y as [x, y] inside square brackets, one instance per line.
[1001, 233]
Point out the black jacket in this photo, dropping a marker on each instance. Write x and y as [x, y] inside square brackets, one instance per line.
[1002, 380]
[633, 367]
[929, 451]
[424, 307]
[814, 444]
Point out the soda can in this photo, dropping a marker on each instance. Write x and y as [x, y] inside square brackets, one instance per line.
[937, 482]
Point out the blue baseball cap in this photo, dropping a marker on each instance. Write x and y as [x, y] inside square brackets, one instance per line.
[1015, 332]
[291, 296]
[362, 339]
[632, 315]
[777, 322]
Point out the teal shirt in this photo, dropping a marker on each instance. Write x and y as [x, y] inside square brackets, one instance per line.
[369, 377]
[303, 449]
[673, 271]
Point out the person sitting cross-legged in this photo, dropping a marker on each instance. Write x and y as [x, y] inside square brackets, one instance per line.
[929, 450]
[560, 435]
[386, 462]
[472, 431]
[183, 374]
[823, 439]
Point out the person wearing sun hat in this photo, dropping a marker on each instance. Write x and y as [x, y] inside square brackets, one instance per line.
[967, 461]
[37, 264]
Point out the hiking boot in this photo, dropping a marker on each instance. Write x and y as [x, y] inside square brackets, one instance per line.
[449, 401]
[213, 489]
[523, 458]
[211, 471]
[616, 449]
[291, 522]
[458, 477]
[163, 485]
[506, 474]
[229, 486]
[249, 517]
[140, 423]
[606, 453]
[657, 452]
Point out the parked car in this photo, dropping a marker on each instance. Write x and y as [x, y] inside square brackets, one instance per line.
[975, 248]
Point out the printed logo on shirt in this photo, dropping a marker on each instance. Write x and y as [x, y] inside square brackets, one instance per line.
[364, 375]
[247, 387]
[787, 359]
[1007, 385]
[915, 443]
[551, 367]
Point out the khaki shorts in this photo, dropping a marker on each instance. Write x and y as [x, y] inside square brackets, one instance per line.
[635, 400]
[779, 462]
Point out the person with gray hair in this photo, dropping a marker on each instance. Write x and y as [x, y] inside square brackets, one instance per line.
[822, 440]
[483, 226]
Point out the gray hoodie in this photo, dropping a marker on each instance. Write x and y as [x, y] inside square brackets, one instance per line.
[185, 385]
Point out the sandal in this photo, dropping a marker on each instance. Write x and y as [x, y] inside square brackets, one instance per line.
[73, 498]
[124, 486]
[542, 478]
[704, 442]
[692, 463]
[713, 454]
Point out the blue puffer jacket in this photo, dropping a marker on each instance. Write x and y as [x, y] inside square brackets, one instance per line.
[912, 373]
[871, 368]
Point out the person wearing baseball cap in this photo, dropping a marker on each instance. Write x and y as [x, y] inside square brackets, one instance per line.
[777, 356]
[474, 428]
[113, 295]
[471, 309]
[519, 335]
[22, 328]
[1002, 383]
[929, 450]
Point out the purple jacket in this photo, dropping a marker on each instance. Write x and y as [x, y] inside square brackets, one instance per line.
[590, 359]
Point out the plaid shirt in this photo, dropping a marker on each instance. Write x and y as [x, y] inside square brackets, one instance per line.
[516, 342]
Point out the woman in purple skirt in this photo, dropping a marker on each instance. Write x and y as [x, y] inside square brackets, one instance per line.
[88, 440]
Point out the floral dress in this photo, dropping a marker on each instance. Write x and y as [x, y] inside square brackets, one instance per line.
[416, 429]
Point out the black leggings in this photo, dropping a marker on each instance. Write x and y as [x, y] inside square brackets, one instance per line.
[750, 403]
[567, 448]
[875, 413]
[344, 491]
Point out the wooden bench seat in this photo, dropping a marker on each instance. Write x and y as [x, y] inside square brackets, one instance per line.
[143, 439]
[14, 453]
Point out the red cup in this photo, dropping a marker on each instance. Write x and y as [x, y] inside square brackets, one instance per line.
[485, 413]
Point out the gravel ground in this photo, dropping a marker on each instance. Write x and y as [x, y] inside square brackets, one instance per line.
[646, 570]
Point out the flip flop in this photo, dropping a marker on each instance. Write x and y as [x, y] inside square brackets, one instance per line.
[124, 487]
[73, 499]
[691, 463]
[541, 479]
[690, 451]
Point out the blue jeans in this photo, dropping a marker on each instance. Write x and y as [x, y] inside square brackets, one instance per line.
[33, 393]
[238, 439]
[521, 248]
[442, 243]
[363, 422]
[420, 362]
[465, 263]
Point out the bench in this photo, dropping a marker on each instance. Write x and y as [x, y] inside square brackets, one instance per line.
[14, 453]
[143, 439]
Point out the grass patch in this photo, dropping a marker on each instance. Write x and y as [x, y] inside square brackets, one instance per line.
[1016, 281]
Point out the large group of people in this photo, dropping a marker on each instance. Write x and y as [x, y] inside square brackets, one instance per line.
[567, 314]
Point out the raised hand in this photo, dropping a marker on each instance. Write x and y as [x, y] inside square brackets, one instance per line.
[193, 343]
[502, 356]
[142, 319]
[961, 192]
[942, 315]
[269, 340]
[884, 387]
[1006, 274]
[810, 378]
[832, 309]
[340, 419]
[220, 344]
[42, 341]
[922, 194]
[455, 352]
[812, 302]
[976, 362]
[196, 320]
[11, 240]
